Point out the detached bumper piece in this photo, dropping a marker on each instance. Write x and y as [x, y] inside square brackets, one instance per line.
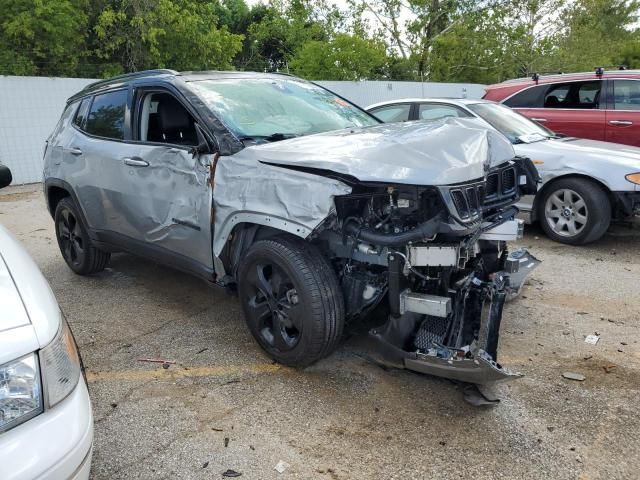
[455, 337]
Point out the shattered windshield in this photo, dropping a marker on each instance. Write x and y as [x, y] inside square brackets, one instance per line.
[275, 109]
[517, 128]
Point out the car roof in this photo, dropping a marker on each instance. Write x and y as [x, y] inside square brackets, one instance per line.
[546, 78]
[452, 101]
[168, 74]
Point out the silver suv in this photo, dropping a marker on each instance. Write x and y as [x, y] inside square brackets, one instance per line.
[308, 207]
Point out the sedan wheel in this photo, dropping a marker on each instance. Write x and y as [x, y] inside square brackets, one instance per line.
[575, 211]
[566, 212]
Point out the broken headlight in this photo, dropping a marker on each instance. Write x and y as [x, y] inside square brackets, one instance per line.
[20, 391]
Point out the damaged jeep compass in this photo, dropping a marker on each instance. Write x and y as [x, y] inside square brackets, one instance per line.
[302, 203]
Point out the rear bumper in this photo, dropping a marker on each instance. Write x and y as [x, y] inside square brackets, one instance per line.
[627, 204]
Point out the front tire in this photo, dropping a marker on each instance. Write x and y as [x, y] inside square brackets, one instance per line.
[291, 300]
[74, 241]
[574, 211]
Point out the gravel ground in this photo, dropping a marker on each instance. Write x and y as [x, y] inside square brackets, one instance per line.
[225, 405]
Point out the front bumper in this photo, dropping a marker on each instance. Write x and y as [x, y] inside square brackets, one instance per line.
[55, 445]
[627, 204]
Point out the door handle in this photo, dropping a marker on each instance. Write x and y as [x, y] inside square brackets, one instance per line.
[620, 122]
[136, 162]
[540, 120]
[75, 151]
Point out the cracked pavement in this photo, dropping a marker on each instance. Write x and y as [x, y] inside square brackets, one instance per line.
[345, 417]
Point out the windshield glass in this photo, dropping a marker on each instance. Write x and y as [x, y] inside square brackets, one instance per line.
[517, 128]
[274, 109]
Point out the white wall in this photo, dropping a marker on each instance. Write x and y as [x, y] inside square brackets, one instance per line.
[29, 110]
[369, 92]
[31, 106]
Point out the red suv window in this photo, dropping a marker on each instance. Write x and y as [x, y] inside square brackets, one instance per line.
[574, 95]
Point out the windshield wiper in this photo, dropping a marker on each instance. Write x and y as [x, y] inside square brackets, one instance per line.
[274, 137]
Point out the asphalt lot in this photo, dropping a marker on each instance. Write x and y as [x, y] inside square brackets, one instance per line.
[225, 405]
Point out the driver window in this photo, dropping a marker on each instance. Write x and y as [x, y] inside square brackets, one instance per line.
[164, 120]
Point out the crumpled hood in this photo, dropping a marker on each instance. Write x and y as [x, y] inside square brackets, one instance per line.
[416, 153]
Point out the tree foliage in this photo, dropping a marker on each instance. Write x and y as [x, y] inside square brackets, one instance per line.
[439, 40]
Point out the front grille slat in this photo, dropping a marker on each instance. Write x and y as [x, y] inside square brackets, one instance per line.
[470, 200]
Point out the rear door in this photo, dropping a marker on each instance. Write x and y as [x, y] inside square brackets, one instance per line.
[574, 108]
[623, 112]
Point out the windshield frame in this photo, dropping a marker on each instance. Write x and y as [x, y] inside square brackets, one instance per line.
[545, 134]
[243, 137]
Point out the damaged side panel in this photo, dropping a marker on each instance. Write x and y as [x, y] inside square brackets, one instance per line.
[246, 190]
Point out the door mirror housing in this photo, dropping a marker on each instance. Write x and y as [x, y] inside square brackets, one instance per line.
[5, 176]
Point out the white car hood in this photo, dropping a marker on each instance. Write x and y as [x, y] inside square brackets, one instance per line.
[30, 317]
[416, 153]
[607, 162]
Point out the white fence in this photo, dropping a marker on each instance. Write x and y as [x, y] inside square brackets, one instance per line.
[31, 106]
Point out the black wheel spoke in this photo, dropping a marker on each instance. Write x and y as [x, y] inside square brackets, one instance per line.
[293, 315]
[281, 339]
[260, 307]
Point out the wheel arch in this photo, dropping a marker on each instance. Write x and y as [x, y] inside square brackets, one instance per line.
[247, 231]
[580, 176]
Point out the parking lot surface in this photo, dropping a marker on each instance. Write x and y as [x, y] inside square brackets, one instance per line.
[225, 406]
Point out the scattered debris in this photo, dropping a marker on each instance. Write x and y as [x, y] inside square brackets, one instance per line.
[226, 441]
[551, 429]
[165, 365]
[566, 332]
[251, 447]
[114, 405]
[609, 368]
[574, 376]
[620, 350]
[235, 380]
[623, 343]
[442, 442]
[582, 313]
[156, 360]
[592, 339]
[202, 350]
[215, 429]
[205, 464]
[573, 449]
[478, 398]
[281, 466]
[587, 357]
[231, 474]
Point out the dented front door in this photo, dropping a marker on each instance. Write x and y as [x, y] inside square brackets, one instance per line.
[171, 202]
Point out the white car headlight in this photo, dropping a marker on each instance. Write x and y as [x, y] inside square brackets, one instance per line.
[20, 392]
[60, 366]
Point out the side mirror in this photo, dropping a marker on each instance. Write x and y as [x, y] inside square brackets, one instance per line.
[203, 145]
[5, 176]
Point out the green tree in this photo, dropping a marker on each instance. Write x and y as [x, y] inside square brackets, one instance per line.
[345, 57]
[180, 34]
[41, 37]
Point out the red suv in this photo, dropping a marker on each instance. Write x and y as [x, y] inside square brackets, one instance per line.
[603, 105]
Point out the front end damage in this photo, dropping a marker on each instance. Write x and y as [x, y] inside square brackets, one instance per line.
[434, 261]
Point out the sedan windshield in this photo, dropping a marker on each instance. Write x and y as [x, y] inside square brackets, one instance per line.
[266, 109]
[517, 128]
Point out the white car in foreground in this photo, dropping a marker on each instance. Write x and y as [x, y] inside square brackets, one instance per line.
[585, 183]
[46, 423]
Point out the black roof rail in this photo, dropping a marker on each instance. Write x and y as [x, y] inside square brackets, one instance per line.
[127, 76]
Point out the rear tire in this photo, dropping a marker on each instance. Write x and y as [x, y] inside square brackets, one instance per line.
[574, 211]
[74, 241]
[291, 300]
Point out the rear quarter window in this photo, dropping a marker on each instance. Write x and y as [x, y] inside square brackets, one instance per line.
[106, 116]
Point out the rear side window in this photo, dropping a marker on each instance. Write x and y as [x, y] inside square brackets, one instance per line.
[435, 111]
[626, 94]
[574, 95]
[81, 114]
[527, 98]
[106, 117]
[393, 113]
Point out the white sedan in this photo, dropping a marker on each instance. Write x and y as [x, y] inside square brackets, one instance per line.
[46, 423]
[585, 183]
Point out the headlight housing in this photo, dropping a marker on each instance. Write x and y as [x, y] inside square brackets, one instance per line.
[60, 366]
[633, 178]
[20, 391]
